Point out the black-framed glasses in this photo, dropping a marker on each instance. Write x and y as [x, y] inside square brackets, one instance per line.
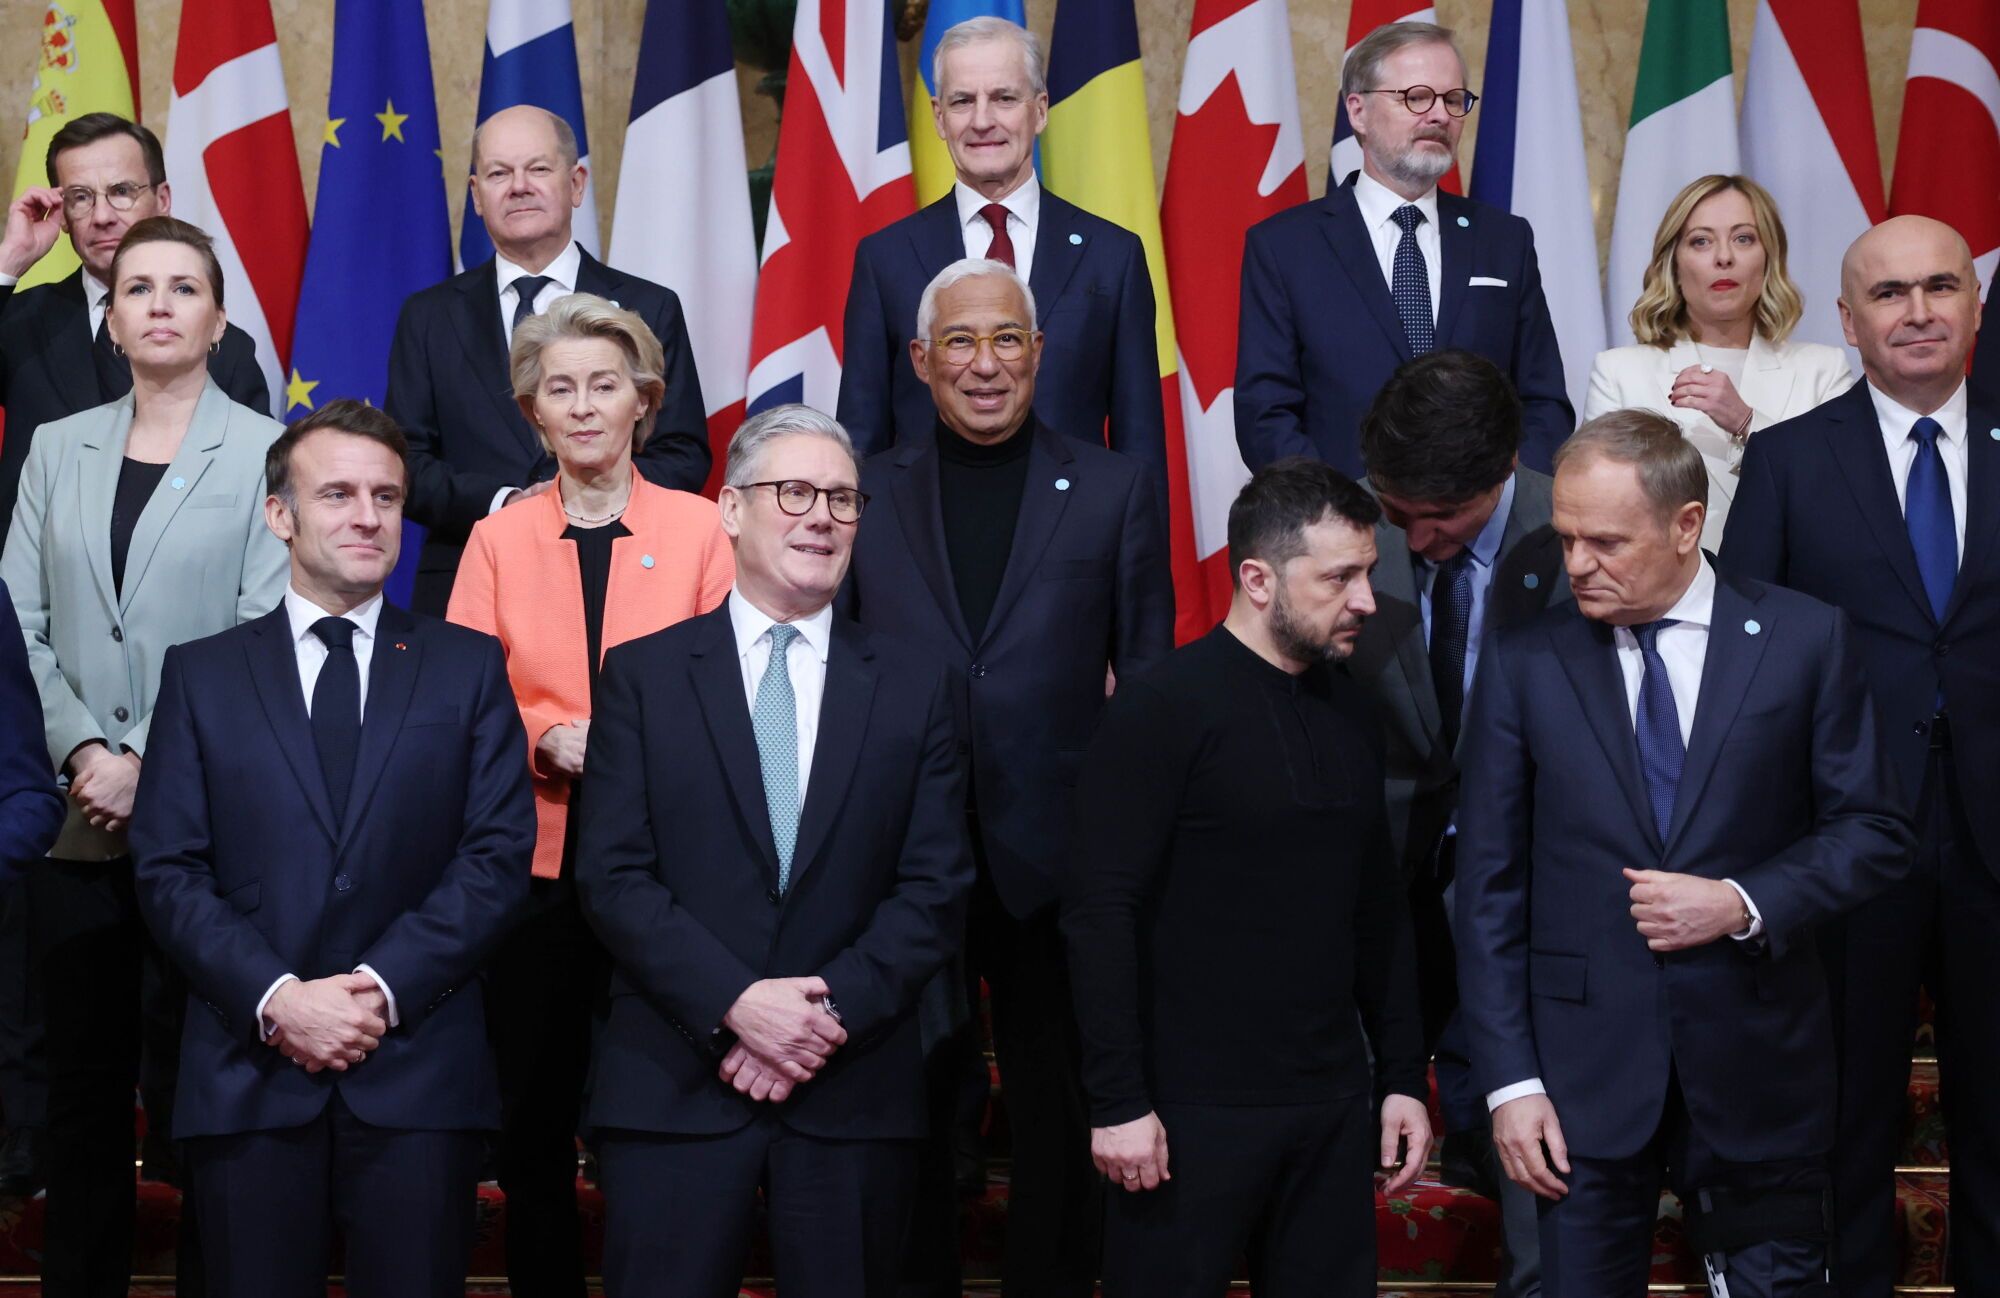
[797, 498]
[1418, 99]
[78, 200]
[961, 345]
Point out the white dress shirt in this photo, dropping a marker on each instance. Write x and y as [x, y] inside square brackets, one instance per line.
[1024, 215]
[561, 274]
[98, 294]
[1378, 204]
[1897, 420]
[311, 652]
[805, 659]
[1684, 651]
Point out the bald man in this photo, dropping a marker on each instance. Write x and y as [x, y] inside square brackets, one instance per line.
[1885, 501]
[471, 449]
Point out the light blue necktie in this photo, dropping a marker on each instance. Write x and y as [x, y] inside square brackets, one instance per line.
[775, 718]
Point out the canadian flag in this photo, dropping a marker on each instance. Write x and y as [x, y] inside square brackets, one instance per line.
[235, 168]
[1948, 153]
[1365, 17]
[1238, 156]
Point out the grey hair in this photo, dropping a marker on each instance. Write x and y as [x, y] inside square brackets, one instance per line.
[579, 317]
[963, 269]
[767, 426]
[1671, 472]
[1364, 61]
[988, 28]
[565, 138]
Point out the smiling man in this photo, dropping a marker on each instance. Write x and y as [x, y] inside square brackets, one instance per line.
[471, 450]
[1100, 376]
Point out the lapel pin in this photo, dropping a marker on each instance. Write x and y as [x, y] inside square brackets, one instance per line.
[1993, 433]
[1464, 222]
[1076, 239]
[1530, 580]
[645, 561]
[401, 645]
[1751, 627]
[1062, 484]
[179, 483]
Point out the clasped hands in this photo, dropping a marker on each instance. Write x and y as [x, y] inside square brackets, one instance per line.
[328, 1022]
[785, 1033]
[1134, 1154]
[102, 785]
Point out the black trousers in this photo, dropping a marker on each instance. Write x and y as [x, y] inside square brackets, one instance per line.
[406, 1204]
[24, 1083]
[1291, 1186]
[95, 962]
[1597, 1241]
[1935, 930]
[544, 987]
[679, 1211]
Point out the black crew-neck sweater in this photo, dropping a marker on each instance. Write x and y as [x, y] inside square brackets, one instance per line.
[979, 490]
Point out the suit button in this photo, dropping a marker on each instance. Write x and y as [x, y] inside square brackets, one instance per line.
[771, 895]
[118, 634]
[120, 714]
[341, 883]
[1941, 648]
[1921, 728]
[976, 670]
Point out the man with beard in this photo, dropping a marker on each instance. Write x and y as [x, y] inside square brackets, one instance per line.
[1233, 798]
[1338, 292]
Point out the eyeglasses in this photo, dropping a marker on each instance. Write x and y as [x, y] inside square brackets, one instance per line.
[78, 200]
[797, 498]
[1418, 99]
[960, 346]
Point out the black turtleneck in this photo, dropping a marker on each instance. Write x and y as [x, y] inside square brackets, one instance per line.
[980, 490]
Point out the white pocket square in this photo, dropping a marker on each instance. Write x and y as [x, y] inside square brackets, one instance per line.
[1485, 281]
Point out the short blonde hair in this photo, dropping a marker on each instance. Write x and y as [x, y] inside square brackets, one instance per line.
[579, 317]
[1660, 316]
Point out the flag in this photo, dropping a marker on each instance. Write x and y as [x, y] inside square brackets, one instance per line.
[88, 63]
[235, 167]
[1365, 17]
[1097, 152]
[1809, 138]
[930, 161]
[380, 228]
[683, 215]
[843, 172]
[1238, 156]
[1531, 163]
[1948, 153]
[531, 59]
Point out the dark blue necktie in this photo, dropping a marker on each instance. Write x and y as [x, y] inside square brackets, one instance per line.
[1661, 749]
[1451, 617]
[1928, 514]
[336, 710]
[1410, 282]
[526, 290]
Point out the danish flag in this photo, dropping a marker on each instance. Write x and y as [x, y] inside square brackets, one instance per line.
[843, 172]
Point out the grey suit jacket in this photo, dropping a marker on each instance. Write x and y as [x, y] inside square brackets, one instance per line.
[1390, 657]
[201, 561]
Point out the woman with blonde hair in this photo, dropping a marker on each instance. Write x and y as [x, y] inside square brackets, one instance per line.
[560, 577]
[1714, 322]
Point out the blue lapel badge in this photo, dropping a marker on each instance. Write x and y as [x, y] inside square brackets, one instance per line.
[1751, 627]
[1076, 239]
[179, 483]
[1464, 222]
[1530, 580]
[645, 561]
[1062, 484]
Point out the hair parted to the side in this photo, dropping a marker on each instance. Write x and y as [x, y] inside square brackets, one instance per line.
[963, 269]
[345, 415]
[167, 229]
[1443, 429]
[582, 316]
[1660, 316]
[92, 127]
[974, 31]
[1671, 472]
[565, 140]
[1364, 62]
[1269, 517]
[767, 426]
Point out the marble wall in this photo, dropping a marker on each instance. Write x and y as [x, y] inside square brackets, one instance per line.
[1606, 35]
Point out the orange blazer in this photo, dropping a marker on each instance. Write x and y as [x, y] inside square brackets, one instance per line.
[519, 581]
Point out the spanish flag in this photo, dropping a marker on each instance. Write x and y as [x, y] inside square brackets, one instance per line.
[1097, 152]
[88, 63]
[930, 161]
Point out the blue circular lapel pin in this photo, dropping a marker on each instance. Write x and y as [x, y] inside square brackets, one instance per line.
[179, 483]
[1464, 221]
[646, 561]
[1076, 238]
[1530, 580]
[1993, 433]
[1751, 627]
[1062, 484]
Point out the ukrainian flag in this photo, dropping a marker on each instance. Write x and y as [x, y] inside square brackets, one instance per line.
[929, 160]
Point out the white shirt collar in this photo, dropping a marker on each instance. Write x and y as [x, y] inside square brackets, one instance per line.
[1897, 419]
[94, 290]
[302, 613]
[1378, 202]
[563, 270]
[1025, 202]
[751, 624]
[1696, 606]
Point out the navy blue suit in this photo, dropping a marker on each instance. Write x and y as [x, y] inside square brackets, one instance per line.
[244, 875]
[31, 807]
[1094, 300]
[1319, 333]
[1986, 362]
[1816, 509]
[1711, 1058]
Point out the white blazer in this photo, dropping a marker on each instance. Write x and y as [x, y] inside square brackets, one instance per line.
[1780, 380]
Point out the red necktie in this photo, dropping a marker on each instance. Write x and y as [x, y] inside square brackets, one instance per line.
[1002, 248]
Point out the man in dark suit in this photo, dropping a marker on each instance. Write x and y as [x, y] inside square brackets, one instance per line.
[1102, 366]
[1467, 551]
[774, 855]
[1026, 562]
[1885, 501]
[106, 174]
[1338, 292]
[332, 833]
[471, 449]
[1668, 785]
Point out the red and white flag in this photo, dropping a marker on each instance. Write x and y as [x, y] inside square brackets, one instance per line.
[1808, 135]
[234, 168]
[1948, 153]
[1238, 156]
[1365, 17]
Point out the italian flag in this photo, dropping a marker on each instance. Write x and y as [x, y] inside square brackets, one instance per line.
[1683, 126]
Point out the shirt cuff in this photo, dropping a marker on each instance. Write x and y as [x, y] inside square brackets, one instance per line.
[1756, 929]
[9, 281]
[264, 1026]
[394, 1018]
[1519, 1090]
[500, 499]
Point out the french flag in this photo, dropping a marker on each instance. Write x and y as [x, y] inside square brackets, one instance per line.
[683, 212]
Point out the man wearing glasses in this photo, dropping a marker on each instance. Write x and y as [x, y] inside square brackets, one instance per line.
[1026, 562]
[1337, 293]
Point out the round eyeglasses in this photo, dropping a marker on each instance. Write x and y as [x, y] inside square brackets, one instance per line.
[1418, 99]
[797, 498]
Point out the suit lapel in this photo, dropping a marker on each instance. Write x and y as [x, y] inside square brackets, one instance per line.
[1400, 612]
[97, 489]
[1731, 661]
[1042, 503]
[1456, 273]
[274, 671]
[920, 512]
[67, 355]
[843, 728]
[1059, 250]
[718, 689]
[392, 678]
[1590, 658]
[477, 320]
[1856, 444]
[205, 435]
[1528, 571]
[1355, 251]
[1982, 501]
[1767, 380]
[935, 239]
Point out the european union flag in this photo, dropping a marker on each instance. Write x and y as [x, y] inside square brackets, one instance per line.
[380, 229]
